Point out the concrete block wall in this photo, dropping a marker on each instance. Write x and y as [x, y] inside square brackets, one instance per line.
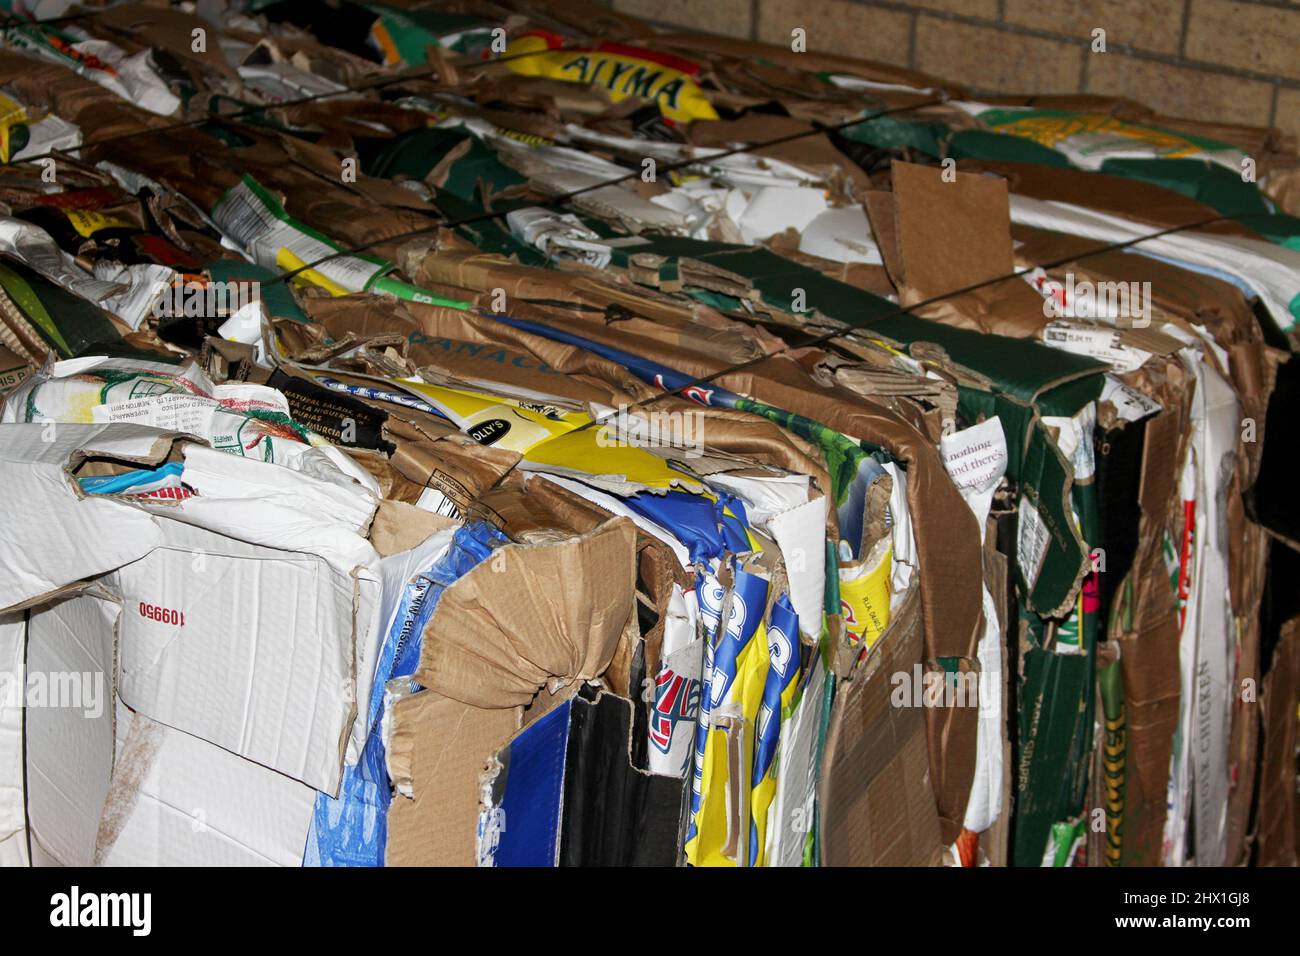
[1234, 61]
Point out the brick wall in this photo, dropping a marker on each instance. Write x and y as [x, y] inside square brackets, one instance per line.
[1230, 60]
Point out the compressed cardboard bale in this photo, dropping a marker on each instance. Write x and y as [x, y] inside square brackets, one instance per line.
[440, 267]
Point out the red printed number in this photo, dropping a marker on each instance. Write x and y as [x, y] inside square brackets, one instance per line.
[163, 615]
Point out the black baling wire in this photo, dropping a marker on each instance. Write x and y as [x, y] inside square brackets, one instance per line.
[488, 216]
[815, 130]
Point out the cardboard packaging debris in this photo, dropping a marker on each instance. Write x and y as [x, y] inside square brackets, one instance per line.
[458, 436]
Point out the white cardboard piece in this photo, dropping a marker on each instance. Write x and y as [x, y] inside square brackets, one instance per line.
[1207, 644]
[841, 235]
[976, 460]
[791, 813]
[247, 647]
[176, 800]
[13, 677]
[44, 543]
[278, 639]
[1272, 271]
[69, 732]
[780, 505]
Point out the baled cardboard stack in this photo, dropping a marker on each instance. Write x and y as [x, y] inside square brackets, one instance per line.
[505, 434]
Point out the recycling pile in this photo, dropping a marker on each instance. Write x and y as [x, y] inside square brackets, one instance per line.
[506, 434]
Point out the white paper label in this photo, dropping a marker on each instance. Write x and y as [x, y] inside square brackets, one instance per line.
[1130, 404]
[1031, 548]
[976, 458]
[247, 220]
[1101, 344]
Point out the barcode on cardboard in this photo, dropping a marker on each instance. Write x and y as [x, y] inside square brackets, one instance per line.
[248, 218]
[1031, 547]
[431, 499]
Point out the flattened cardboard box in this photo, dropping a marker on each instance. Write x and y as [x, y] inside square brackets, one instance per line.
[177, 800]
[154, 796]
[438, 750]
[251, 647]
[566, 791]
[877, 807]
[69, 741]
[13, 683]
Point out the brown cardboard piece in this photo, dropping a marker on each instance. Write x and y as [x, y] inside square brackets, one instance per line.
[399, 526]
[876, 804]
[1279, 815]
[456, 465]
[439, 748]
[521, 509]
[530, 616]
[950, 234]
[943, 236]
[1149, 650]
[145, 25]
